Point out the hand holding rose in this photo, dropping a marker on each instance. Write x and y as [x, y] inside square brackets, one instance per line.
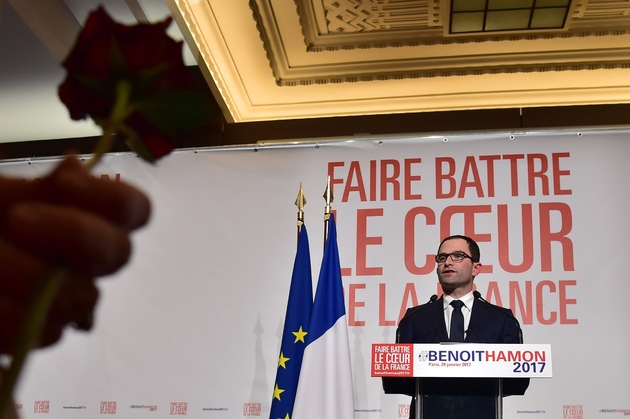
[133, 83]
[68, 218]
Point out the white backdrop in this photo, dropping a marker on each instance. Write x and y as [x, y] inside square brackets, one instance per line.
[192, 326]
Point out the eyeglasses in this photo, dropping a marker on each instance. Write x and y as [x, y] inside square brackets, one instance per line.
[455, 257]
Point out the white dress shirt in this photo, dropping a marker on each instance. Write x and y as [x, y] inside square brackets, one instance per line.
[468, 301]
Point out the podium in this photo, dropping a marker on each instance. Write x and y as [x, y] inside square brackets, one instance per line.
[459, 380]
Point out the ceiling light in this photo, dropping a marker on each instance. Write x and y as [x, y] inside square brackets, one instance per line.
[489, 16]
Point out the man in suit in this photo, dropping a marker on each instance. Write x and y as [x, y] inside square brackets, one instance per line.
[458, 263]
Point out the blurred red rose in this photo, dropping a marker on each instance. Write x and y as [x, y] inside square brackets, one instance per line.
[132, 80]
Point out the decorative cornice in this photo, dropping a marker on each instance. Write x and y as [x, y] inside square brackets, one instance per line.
[472, 71]
[586, 21]
[258, 14]
[252, 50]
[569, 59]
[195, 38]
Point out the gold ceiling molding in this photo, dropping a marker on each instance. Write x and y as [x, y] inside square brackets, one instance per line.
[364, 28]
[255, 58]
[345, 24]
[329, 25]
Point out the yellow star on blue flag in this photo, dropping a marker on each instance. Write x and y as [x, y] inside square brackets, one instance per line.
[282, 361]
[299, 335]
[277, 392]
[298, 314]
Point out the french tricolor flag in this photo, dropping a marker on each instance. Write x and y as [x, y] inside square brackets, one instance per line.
[325, 388]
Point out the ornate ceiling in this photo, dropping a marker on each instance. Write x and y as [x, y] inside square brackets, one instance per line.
[283, 59]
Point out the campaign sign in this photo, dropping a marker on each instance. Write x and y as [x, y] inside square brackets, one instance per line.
[461, 360]
[392, 360]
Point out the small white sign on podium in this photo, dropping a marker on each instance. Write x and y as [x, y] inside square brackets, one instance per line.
[461, 360]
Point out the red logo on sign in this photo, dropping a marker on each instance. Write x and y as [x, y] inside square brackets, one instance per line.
[179, 408]
[392, 360]
[41, 406]
[403, 410]
[252, 409]
[572, 411]
[108, 408]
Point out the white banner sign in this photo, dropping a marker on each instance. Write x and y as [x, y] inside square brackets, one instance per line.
[192, 326]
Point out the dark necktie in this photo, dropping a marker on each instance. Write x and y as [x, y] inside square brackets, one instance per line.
[457, 322]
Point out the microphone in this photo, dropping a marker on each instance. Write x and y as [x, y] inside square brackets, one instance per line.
[416, 308]
[409, 312]
[477, 295]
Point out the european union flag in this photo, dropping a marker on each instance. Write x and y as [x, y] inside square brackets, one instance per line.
[294, 333]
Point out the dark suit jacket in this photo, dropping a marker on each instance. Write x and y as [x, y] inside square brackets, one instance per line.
[425, 324]
[488, 324]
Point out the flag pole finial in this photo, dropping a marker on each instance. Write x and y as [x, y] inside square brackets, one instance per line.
[329, 198]
[300, 201]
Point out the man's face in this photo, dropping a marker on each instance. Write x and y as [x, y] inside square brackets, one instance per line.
[457, 277]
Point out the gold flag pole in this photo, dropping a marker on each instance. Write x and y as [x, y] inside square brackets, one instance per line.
[329, 198]
[300, 201]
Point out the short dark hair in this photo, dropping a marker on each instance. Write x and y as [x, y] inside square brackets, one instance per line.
[473, 247]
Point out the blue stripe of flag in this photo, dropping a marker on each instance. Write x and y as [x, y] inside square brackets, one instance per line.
[329, 305]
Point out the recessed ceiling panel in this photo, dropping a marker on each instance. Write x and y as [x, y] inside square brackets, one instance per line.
[279, 59]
